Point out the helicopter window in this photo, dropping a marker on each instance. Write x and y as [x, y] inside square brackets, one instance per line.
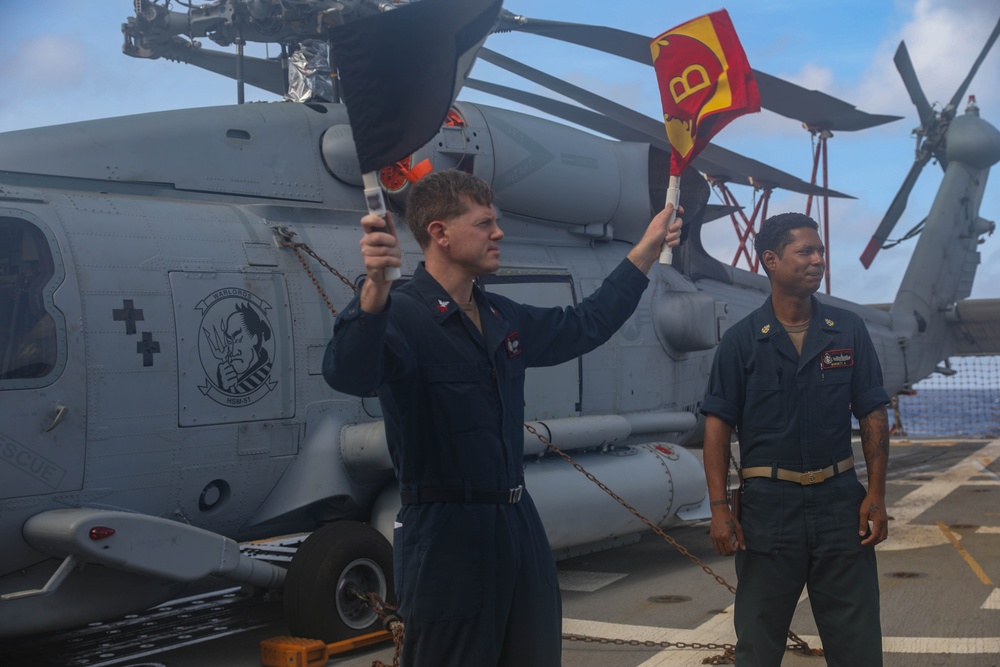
[28, 341]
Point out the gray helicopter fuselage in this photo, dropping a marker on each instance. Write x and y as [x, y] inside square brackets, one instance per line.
[179, 375]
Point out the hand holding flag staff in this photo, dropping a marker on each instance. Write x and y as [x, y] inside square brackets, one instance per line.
[400, 71]
[705, 82]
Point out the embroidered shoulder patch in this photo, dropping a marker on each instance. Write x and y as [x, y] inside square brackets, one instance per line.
[836, 359]
[513, 345]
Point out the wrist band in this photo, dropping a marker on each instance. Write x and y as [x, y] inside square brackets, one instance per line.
[719, 502]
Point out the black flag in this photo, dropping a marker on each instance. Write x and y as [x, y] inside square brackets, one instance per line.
[400, 72]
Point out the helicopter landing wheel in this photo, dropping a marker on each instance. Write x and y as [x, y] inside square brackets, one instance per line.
[333, 561]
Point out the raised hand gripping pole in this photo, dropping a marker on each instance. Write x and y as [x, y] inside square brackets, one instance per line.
[673, 197]
[376, 206]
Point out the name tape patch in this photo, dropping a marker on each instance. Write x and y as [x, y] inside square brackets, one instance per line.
[836, 359]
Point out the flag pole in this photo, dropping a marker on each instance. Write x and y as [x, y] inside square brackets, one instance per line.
[376, 206]
[673, 197]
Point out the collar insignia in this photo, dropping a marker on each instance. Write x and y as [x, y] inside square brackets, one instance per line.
[443, 306]
[764, 329]
[829, 323]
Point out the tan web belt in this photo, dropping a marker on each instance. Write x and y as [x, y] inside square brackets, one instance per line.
[803, 478]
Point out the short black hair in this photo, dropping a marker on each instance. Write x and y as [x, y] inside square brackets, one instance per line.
[776, 232]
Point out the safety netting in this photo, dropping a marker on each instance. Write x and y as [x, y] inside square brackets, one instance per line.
[963, 404]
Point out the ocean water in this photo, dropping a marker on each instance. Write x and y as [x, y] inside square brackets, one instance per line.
[963, 404]
[950, 412]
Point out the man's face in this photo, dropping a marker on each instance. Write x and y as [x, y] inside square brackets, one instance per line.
[799, 269]
[474, 240]
[243, 354]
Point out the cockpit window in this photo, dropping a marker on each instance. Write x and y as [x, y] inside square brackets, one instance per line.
[28, 340]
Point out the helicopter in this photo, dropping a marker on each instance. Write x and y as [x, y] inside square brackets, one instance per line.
[164, 319]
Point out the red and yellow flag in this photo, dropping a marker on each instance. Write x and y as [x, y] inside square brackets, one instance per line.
[705, 82]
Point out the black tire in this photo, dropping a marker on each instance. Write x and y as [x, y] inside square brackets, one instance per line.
[333, 558]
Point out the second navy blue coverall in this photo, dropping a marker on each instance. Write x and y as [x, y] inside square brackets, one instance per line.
[793, 412]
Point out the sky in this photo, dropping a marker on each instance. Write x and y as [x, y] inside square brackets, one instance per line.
[63, 63]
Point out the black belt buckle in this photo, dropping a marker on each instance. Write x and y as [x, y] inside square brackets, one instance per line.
[515, 494]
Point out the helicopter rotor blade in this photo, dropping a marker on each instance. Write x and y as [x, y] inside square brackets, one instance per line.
[616, 42]
[957, 97]
[598, 122]
[905, 68]
[895, 210]
[787, 99]
[714, 160]
[572, 113]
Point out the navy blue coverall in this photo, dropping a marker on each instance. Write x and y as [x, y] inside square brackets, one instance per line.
[794, 412]
[474, 575]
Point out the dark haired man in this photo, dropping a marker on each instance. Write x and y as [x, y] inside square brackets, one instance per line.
[787, 378]
[474, 573]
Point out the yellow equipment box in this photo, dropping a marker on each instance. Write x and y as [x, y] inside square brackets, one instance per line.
[293, 652]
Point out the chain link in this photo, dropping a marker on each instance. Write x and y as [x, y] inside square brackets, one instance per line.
[390, 621]
[798, 644]
[394, 624]
[286, 242]
[652, 526]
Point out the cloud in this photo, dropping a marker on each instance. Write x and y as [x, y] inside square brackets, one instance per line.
[943, 38]
[45, 63]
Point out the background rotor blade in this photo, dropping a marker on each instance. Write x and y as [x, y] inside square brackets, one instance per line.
[905, 68]
[895, 210]
[811, 107]
[714, 161]
[957, 97]
[654, 134]
[619, 43]
[572, 113]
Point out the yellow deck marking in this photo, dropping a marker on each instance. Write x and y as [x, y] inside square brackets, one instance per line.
[903, 533]
[980, 572]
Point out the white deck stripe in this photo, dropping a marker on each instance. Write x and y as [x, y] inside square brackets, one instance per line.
[719, 630]
[903, 534]
[993, 601]
[586, 582]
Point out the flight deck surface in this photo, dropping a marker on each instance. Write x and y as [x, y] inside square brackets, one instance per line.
[939, 574]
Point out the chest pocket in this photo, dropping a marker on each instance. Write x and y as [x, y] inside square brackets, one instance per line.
[456, 395]
[766, 407]
[834, 396]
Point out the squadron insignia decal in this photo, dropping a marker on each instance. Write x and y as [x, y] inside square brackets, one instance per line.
[237, 347]
[513, 345]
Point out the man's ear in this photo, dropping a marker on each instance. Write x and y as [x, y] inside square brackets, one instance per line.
[769, 259]
[436, 230]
